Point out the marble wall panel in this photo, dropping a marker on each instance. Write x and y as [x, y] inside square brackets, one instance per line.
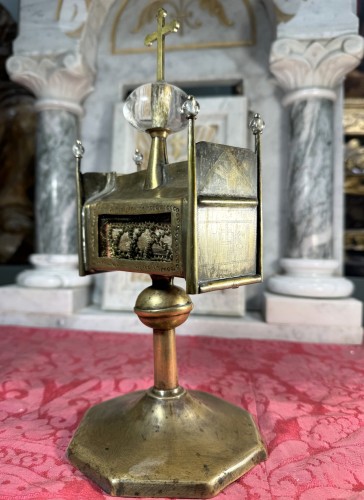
[39, 28]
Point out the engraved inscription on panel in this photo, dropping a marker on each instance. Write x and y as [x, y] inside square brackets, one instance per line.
[223, 169]
[227, 242]
[138, 237]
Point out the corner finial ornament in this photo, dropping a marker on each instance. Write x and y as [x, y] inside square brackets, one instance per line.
[190, 108]
[78, 149]
[257, 124]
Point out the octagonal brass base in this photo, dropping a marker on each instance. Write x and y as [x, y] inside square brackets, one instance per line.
[166, 444]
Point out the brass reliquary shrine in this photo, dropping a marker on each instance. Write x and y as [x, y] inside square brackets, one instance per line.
[198, 219]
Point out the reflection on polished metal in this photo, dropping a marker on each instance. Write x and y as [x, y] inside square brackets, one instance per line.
[165, 442]
[200, 220]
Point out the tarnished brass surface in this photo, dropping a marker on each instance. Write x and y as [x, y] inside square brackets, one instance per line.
[157, 159]
[213, 236]
[164, 307]
[200, 220]
[191, 273]
[188, 446]
[166, 441]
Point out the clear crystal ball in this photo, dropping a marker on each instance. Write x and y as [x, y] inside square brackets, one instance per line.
[156, 105]
[138, 156]
[190, 107]
[257, 124]
[78, 150]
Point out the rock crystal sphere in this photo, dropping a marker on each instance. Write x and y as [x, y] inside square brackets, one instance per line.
[156, 105]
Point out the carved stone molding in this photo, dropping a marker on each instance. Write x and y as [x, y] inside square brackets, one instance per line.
[312, 68]
[58, 81]
[285, 10]
[89, 41]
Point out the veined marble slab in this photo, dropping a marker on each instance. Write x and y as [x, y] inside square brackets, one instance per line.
[16, 300]
[120, 290]
[280, 309]
[251, 326]
[56, 183]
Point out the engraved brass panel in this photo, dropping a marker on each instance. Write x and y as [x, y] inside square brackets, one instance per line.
[227, 242]
[155, 252]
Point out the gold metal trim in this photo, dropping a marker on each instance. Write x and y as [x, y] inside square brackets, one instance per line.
[210, 286]
[259, 266]
[157, 159]
[78, 151]
[134, 207]
[189, 46]
[191, 265]
[223, 202]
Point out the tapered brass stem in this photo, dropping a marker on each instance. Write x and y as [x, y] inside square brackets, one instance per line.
[157, 159]
[164, 307]
[165, 360]
[166, 441]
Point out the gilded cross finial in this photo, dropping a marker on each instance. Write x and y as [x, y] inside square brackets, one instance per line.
[162, 31]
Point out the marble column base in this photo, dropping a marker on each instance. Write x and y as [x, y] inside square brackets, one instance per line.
[310, 278]
[344, 313]
[18, 301]
[53, 271]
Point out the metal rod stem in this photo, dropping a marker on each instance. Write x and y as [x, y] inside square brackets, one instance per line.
[157, 159]
[165, 359]
[192, 270]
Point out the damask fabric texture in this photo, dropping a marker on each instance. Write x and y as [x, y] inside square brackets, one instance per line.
[307, 399]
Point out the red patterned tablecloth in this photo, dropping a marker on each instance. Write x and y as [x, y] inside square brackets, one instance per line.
[308, 401]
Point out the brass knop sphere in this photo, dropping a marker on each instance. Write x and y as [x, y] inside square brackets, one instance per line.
[163, 305]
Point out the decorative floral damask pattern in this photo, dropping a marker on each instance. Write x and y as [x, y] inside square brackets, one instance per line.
[308, 400]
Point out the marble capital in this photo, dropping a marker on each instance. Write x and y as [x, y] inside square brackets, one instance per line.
[59, 81]
[314, 67]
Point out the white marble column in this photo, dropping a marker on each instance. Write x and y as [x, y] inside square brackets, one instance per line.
[311, 72]
[60, 82]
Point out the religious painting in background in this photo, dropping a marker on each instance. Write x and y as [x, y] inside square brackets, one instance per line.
[17, 151]
[200, 21]
[354, 165]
